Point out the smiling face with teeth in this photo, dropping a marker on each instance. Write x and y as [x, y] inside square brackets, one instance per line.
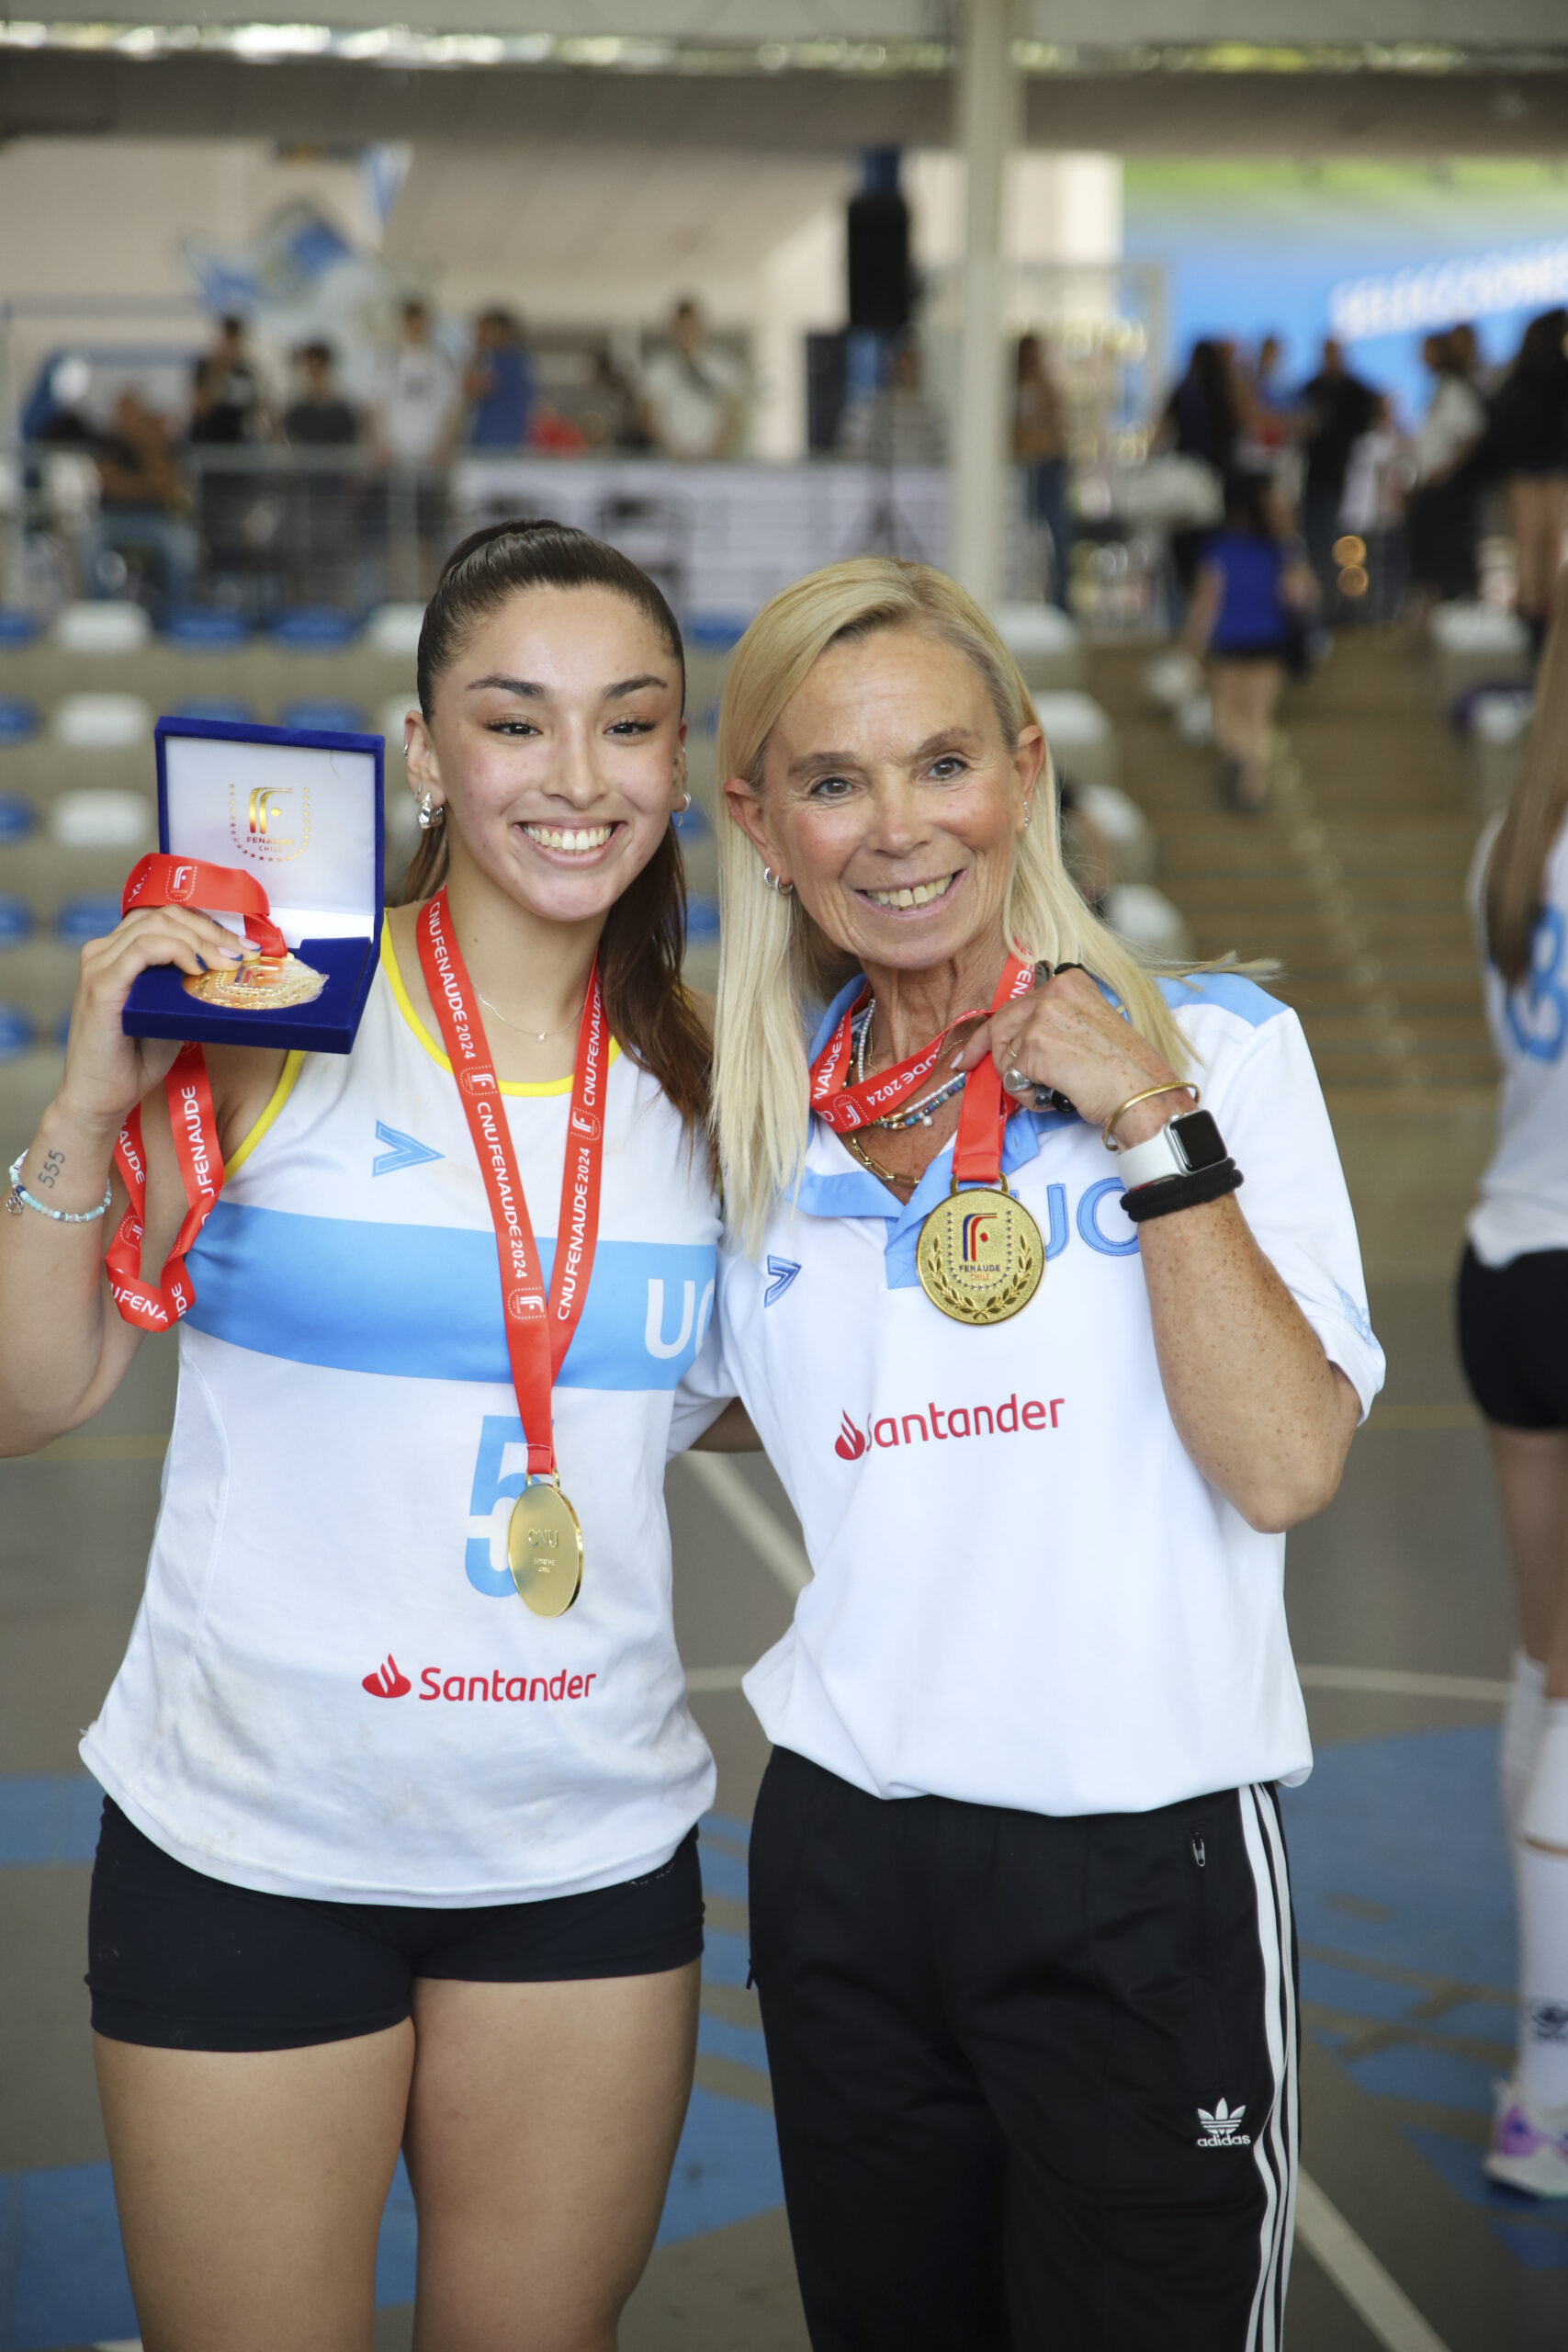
[555, 745]
[893, 803]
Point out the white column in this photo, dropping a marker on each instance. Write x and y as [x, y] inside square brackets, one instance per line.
[987, 103]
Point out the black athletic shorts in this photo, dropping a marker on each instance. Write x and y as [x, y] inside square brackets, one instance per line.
[1511, 1324]
[182, 1962]
[1035, 2078]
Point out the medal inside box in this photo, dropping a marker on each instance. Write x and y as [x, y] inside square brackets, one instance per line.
[299, 811]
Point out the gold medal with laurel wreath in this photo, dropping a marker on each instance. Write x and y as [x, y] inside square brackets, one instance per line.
[263, 984]
[980, 1257]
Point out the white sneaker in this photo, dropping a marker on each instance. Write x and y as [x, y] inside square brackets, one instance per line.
[1527, 2151]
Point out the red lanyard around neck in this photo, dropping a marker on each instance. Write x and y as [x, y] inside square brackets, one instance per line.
[983, 1115]
[538, 1331]
[161, 880]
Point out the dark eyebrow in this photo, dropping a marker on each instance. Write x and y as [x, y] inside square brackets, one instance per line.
[532, 692]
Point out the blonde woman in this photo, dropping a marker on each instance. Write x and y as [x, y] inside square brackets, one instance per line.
[1020, 1918]
[1513, 1294]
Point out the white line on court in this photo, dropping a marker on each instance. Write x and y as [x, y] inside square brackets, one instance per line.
[1358, 2275]
[1392, 1682]
[762, 1528]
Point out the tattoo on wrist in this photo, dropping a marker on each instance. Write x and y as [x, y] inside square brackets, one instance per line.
[50, 1168]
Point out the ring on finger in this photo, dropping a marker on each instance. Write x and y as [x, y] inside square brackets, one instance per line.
[1016, 1080]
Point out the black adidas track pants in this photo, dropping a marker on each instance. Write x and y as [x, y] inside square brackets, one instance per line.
[1035, 2078]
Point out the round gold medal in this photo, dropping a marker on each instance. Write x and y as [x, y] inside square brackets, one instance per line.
[544, 1548]
[265, 984]
[980, 1257]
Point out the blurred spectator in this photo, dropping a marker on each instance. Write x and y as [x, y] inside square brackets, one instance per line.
[323, 506]
[229, 400]
[1201, 419]
[1247, 621]
[416, 420]
[693, 393]
[53, 410]
[142, 506]
[611, 419]
[1376, 492]
[1442, 512]
[1526, 445]
[1039, 444]
[416, 416]
[1339, 408]
[1267, 406]
[895, 424]
[499, 383]
[1087, 852]
[319, 417]
[555, 433]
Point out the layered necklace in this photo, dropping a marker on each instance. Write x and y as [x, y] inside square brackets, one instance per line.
[916, 1113]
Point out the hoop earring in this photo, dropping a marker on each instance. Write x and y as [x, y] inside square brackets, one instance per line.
[685, 804]
[430, 812]
[776, 882]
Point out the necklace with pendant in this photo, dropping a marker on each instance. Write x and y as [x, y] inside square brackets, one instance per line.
[539, 1035]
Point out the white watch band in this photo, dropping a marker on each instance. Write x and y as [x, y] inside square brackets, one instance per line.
[1146, 1163]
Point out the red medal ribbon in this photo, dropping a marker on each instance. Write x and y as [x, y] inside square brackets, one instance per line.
[538, 1333]
[160, 880]
[977, 1146]
[982, 1118]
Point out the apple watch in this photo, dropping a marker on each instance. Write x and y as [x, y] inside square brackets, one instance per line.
[1185, 1146]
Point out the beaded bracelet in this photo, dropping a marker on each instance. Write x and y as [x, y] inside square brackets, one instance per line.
[18, 1198]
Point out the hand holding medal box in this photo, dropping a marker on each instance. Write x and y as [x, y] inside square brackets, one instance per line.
[979, 1256]
[283, 828]
[543, 1543]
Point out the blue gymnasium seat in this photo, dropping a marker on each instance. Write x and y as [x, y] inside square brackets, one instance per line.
[316, 628]
[89, 916]
[18, 720]
[15, 1032]
[324, 717]
[16, 817]
[701, 920]
[208, 631]
[16, 918]
[16, 628]
[222, 709]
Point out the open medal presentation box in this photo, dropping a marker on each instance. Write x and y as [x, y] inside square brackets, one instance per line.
[300, 810]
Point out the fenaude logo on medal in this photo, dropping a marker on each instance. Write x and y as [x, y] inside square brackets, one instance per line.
[476, 1082]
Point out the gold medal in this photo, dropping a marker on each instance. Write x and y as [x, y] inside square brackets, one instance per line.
[266, 984]
[980, 1257]
[544, 1548]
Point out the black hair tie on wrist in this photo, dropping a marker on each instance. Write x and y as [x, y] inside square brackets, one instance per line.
[1168, 1194]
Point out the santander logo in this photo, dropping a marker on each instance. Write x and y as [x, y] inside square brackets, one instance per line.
[934, 1424]
[389, 1681]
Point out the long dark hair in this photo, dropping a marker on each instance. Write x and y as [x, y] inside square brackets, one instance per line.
[1515, 871]
[644, 939]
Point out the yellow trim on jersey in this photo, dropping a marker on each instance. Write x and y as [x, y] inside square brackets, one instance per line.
[281, 1094]
[400, 994]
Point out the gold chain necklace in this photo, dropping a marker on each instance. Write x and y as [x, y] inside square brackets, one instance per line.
[888, 1175]
[539, 1035]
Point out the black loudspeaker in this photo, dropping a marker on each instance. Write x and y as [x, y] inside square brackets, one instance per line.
[824, 390]
[879, 264]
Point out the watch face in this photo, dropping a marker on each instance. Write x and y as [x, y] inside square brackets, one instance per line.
[1199, 1140]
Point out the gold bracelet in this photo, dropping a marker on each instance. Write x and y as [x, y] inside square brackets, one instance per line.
[1173, 1086]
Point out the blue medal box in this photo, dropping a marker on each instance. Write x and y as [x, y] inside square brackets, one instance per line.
[301, 810]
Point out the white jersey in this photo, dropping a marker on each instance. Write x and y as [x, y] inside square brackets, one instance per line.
[332, 1689]
[1523, 1193]
[1024, 1591]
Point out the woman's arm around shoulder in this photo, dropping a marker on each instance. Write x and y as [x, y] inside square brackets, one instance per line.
[63, 1346]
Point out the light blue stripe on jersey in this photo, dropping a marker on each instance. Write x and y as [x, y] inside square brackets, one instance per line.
[1231, 992]
[423, 1303]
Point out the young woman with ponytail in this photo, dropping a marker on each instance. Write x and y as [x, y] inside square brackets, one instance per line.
[389, 1859]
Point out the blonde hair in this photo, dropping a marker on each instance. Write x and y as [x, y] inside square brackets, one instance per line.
[1516, 869]
[774, 963]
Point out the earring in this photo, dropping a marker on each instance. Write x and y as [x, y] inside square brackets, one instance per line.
[430, 812]
[1028, 813]
[776, 882]
[685, 804]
